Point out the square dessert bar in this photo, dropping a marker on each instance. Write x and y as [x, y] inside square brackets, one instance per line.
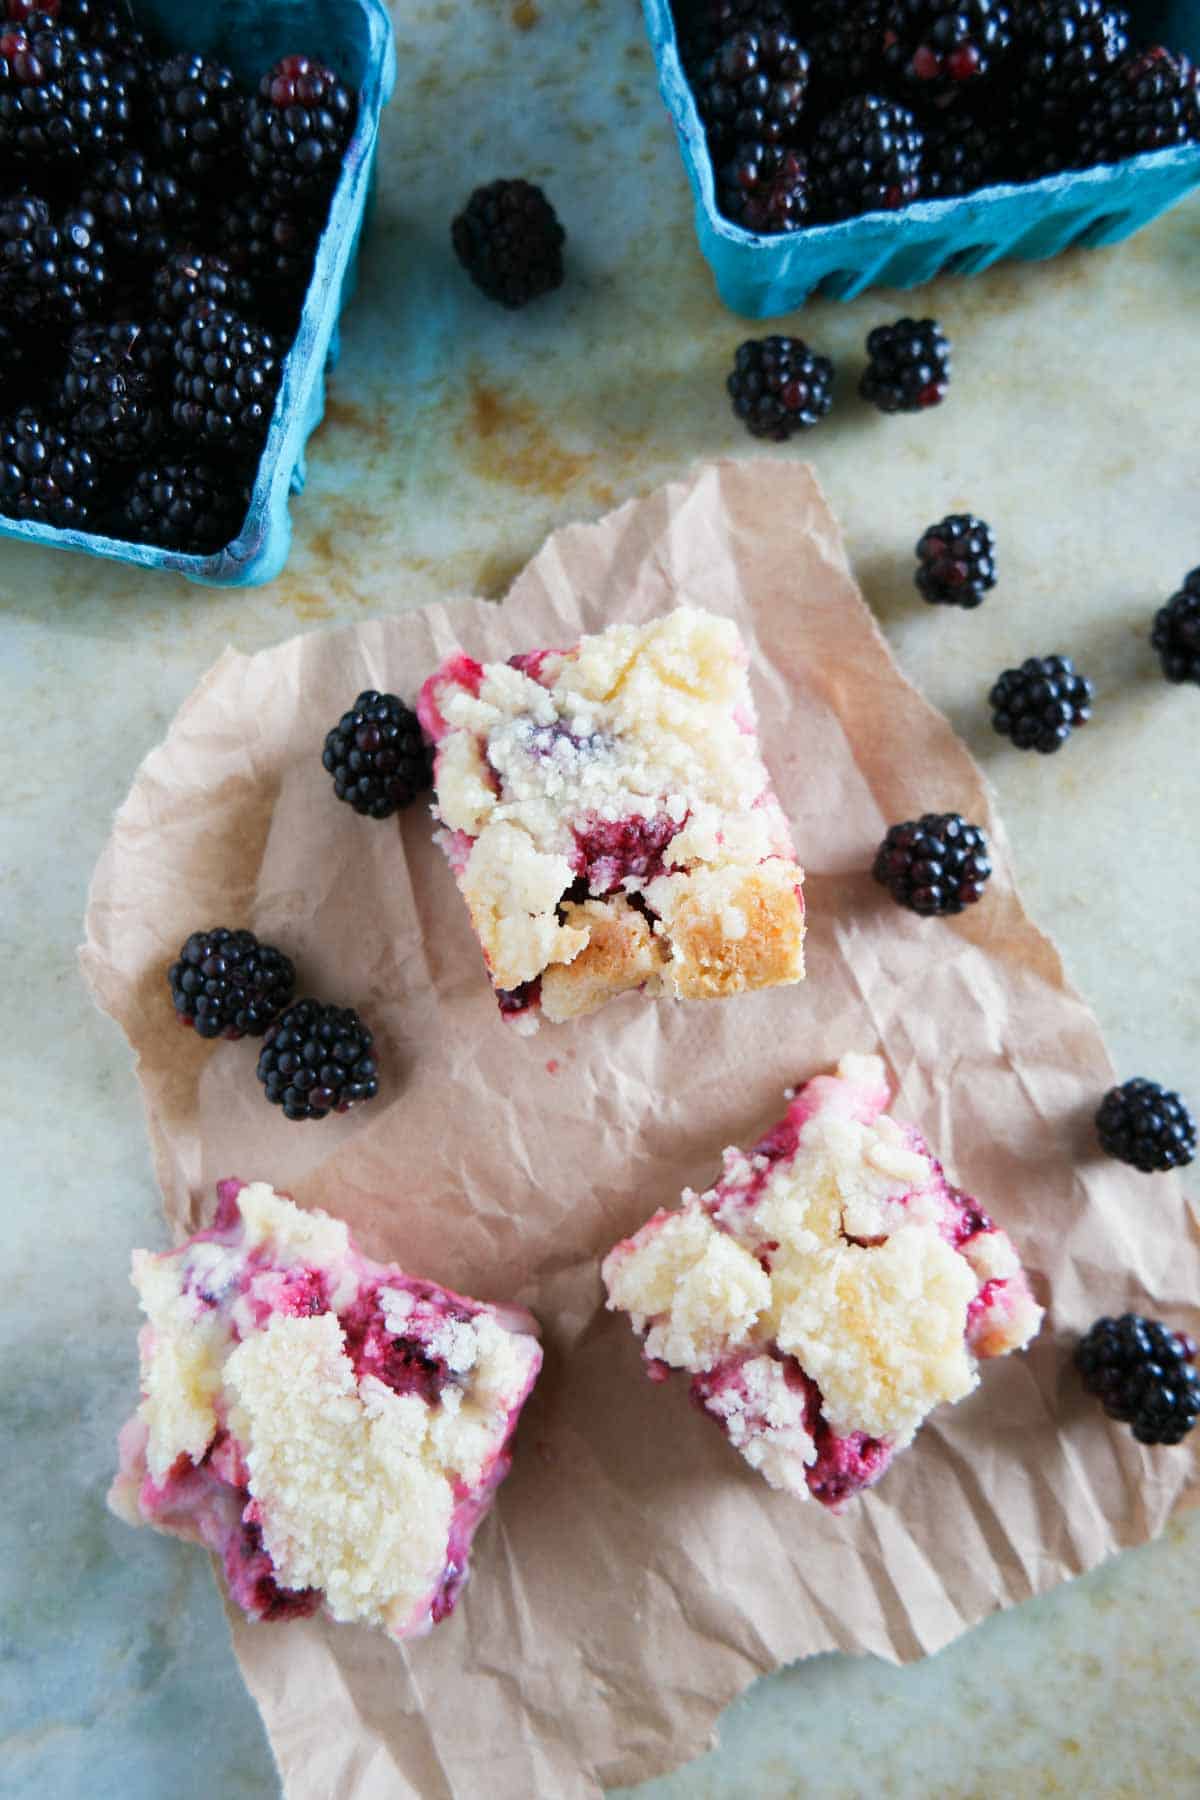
[828, 1292]
[609, 820]
[331, 1428]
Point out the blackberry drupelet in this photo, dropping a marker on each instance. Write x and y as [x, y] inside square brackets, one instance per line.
[317, 1060]
[142, 211]
[1175, 633]
[765, 188]
[939, 47]
[1146, 1125]
[908, 366]
[52, 267]
[377, 756]
[1061, 48]
[753, 88]
[1040, 704]
[845, 44]
[1146, 102]
[274, 249]
[198, 114]
[1141, 1372]
[61, 102]
[226, 376]
[934, 865]
[865, 157]
[509, 241]
[226, 984]
[184, 506]
[956, 561]
[960, 156]
[114, 388]
[711, 22]
[296, 128]
[188, 277]
[779, 386]
[45, 478]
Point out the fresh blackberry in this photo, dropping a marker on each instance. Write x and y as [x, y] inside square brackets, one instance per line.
[296, 128]
[377, 756]
[198, 112]
[52, 266]
[226, 984]
[1043, 147]
[113, 389]
[865, 157]
[938, 47]
[274, 249]
[1140, 1370]
[1175, 633]
[1146, 1125]
[188, 277]
[1061, 48]
[509, 241]
[779, 386]
[226, 376]
[142, 211]
[1147, 102]
[936, 864]
[961, 156]
[1040, 704]
[712, 21]
[753, 88]
[845, 44]
[45, 478]
[908, 366]
[765, 188]
[184, 506]
[317, 1060]
[61, 103]
[956, 561]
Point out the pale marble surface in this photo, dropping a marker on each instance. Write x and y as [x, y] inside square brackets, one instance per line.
[457, 437]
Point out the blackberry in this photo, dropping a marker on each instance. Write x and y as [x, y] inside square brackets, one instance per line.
[865, 157]
[779, 386]
[764, 188]
[113, 389]
[188, 277]
[754, 88]
[1061, 49]
[956, 561]
[45, 478]
[273, 248]
[1140, 1370]
[936, 864]
[1146, 1125]
[1175, 633]
[845, 45]
[960, 156]
[52, 267]
[908, 366]
[1040, 704]
[226, 984]
[198, 112]
[142, 211]
[377, 756]
[61, 103]
[509, 241]
[715, 20]
[318, 1059]
[1146, 102]
[296, 128]
[226, 376]
[183, 506]
[940, 46]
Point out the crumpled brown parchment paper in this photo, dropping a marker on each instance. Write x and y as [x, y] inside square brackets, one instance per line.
[635, 1574]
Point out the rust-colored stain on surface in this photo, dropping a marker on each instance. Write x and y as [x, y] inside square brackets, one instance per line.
[525, 15]
[505, 439]
[369, 426]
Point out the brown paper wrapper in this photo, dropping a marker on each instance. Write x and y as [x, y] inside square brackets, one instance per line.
[635, 1574]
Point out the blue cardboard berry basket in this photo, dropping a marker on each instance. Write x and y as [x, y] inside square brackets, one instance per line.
[354, 37]
[764, 276]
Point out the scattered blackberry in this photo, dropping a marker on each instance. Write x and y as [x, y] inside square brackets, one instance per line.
[1176, 632]
[317, 1060]
[865, 157]
[188, 277]
[956, 561]
[1146, 1125]
[45, 479]
[765, 188]
[52, 268]
[61, 103]
[935, 864]
[960, 156]
[183, 506]
[1061, 49]
[273, 248]
[845, 43]
[377, 756]
[226, 375]
[1146, 102]
[1140, 1370]
[1040, 704]
[226, 984]
[198, 110]
[779, 386]
[142, 211]
[754, 88]
[113, 389]
[908, 366]
[296, 128]
[939, 46]
[509, 241]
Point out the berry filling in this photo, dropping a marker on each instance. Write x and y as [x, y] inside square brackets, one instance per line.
[609, 852]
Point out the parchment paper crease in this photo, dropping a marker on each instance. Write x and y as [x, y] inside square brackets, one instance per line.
[635, 1575]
